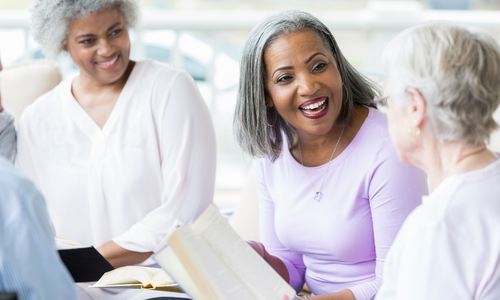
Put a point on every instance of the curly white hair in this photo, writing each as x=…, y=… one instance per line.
x=51, y=18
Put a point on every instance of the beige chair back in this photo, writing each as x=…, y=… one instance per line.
x=23, y=83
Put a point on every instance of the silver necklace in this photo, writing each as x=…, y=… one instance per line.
x=318, y=194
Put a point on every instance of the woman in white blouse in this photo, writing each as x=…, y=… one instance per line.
x=443, y=87
x=126, y=150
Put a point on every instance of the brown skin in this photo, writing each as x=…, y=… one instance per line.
x=99, y=38
x=96, y=38
x=300, y=68
x=305, y=79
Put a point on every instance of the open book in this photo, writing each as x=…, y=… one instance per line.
x=210, y=261
x=138, y=278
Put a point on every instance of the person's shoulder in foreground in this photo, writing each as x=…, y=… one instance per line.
x=454, y=236
x=7, y=134
x=29, y=264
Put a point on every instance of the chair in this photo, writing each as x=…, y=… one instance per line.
x=21, y=84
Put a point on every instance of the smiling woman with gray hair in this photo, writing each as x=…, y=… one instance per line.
x=443, y=87
x=332, y=193
x=126, y=150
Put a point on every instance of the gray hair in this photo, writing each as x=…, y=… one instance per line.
x=51, y=19
x=457, y=71
x=252, y=117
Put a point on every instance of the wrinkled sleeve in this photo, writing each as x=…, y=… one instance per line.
x=7, y=135
x=29, y=263
x=395, y=189
x=292, y=260
x=188, y=159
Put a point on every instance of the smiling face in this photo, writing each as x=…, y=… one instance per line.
x=303, y=82
x=99, y=45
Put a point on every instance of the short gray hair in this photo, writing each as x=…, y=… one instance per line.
x=51, y=19
x=252, y=117
x=457, y=71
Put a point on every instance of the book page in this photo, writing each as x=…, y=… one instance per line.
x=62, y=244
x=249, y=266
x=205, y=267
x=167, y=259
x=128, y=275
x=162, y=278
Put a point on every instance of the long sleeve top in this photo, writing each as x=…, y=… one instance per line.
x=29, y=263
x=449, y=247
x=341, y=241
x=151, y=166
x=7, y=135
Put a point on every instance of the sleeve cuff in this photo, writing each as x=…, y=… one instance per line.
x=365, y=291
x=139, y=238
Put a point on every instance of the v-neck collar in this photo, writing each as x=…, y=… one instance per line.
x=82, y=118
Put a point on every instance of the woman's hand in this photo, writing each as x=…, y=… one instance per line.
x=119, y=257
x=273, y=261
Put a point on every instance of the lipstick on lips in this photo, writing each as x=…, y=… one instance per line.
x=315, y=109
x=109, y=64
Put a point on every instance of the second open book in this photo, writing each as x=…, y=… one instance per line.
x=210, y=261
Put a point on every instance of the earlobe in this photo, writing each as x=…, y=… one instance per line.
x=269, y=101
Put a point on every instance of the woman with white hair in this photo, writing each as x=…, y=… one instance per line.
x=126, y=150
x=443, y=87
x=332, y=193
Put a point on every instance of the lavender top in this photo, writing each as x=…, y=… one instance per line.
x=342, y=241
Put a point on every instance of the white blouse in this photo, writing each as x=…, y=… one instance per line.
x=150, y=167
x=449, y=247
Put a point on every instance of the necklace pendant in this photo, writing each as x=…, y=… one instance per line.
x=317, y=197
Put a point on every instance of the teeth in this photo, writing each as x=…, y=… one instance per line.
x=314, y=105
x=307, y=111
x=109, y=63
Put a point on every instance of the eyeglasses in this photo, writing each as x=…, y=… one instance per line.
x=381, y=101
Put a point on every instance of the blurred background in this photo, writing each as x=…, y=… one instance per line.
x=205, y=37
